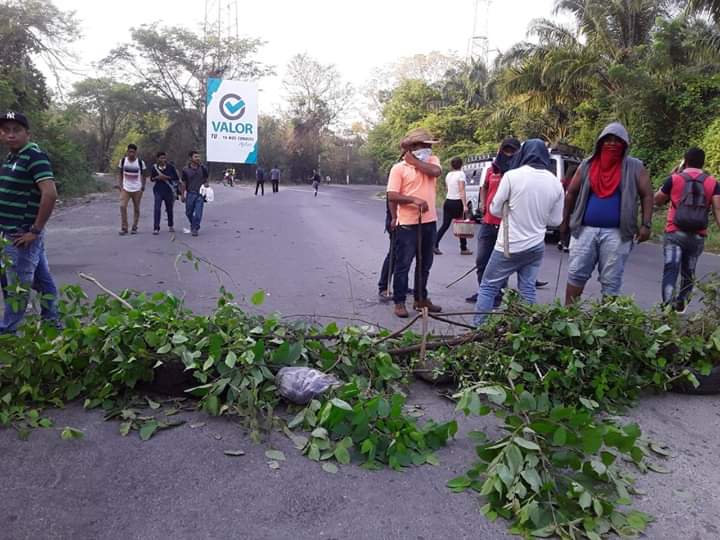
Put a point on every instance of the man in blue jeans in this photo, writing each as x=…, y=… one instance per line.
x=164, y=178
x=27, y=199
x=601, y=213
x=684, y=233
x=194, y=176
x=535, y=201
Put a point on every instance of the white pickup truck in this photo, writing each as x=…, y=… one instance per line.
x=564, y=160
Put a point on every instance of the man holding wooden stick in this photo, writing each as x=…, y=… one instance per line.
x=411, y=186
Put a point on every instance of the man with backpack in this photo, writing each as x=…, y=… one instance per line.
x=260, y=184
x=131, y=183
x=165, y=179
x=692, y=194
x=194, y=177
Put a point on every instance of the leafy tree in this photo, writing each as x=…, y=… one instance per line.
x=175, y=63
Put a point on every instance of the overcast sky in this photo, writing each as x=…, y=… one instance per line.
x=356, y=36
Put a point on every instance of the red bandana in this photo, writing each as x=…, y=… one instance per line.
x=606, y=170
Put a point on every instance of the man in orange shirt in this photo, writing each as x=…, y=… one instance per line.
x=411, y=186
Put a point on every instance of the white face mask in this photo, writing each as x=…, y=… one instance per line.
x=423, y=154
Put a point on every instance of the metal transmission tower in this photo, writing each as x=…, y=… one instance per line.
x=221, y=22
x=479, y=43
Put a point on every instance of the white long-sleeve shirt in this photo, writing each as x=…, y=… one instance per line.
x=536, y=201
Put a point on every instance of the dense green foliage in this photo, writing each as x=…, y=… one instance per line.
x=644, y=63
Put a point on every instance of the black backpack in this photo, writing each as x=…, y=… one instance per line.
x=140, y=164
x=691, y=213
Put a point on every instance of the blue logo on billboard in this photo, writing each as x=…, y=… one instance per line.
x=232, y=107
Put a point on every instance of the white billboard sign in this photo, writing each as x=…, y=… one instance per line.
x=232, y=121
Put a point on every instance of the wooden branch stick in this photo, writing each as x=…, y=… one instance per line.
x=423, y=341
x=90, y=278
x=399, y=332
x=448, y=321
x=434, y=345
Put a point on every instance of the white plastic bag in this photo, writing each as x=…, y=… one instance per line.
x=302, y=384
x=207, y=193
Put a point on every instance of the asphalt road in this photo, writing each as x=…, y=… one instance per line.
x=315, y=257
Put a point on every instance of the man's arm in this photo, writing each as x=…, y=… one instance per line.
x=431, y=169
x=644, y=187
x=393, y=214
x=502, y=195
x=48, y=196
x=395, y=197
x=143, y=174
x=570, y=198
x=556, y=214
x=661, y=198
x=120, y=175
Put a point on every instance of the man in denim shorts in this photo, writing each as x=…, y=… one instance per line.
x=601, y=213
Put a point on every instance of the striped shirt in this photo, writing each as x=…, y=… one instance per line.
x=20, y=174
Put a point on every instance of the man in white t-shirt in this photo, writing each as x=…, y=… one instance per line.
x=131, y=183
x=535, y=199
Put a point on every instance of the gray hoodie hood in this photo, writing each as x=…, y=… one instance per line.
x=617, y=129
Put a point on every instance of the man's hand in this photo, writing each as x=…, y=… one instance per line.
x=410, y=158
x=564, y=232
x=421, y=204
x=182, y=198
x=25, y=240
x=643, y=235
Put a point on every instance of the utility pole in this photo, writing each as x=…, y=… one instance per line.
x=479, y=43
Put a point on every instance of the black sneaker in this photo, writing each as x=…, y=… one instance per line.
x=156, y=232
x=540, y=284
x=122, y=232
x=194, y=233
x=472, y=299
x=680, y=307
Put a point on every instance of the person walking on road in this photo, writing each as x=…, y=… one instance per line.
x=27, y=200
x=601, y=213
x=164, y=178
x=535, y=201
x=194, y=176
x=488, y=231
x=455, y=205
x=260, y=181
x=692, y=194
x=389, y=262
x=131, y=183
x=275, y=179
x=316, y=179
x=411, y=185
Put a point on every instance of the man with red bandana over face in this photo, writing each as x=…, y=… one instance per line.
x=601, y=213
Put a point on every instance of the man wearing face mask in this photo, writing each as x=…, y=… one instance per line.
x=601, y=213
x=411, y=185
x=488, y=232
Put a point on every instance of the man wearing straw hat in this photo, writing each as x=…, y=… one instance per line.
x=411, y=185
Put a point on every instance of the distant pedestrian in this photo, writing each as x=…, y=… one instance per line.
x=165, y=179
x=411, y=185
x=316, y=179
x=455, y=205
x=692, y=194
x=535, y=201
x=131, y=183
x=27, y=199
x=194, y=176
x=275, y=179
x=601, y=213
x=260, y=184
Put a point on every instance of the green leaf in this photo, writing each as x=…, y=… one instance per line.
x=234, y=453
x=342, y=455
x=585, y=500
x=637, y=520
x=658, y=468
x=329, y=468
x=524, y=443
x=496, y=394
x=560, y=436
x=152, y=404
x=526, y=401
x=164, y=349
x=148, y=429
x=257, y=298
x=69, y=433
x=599, y=467
x=459, y=483
x=340, y=404
x=276, y=455
x=514, y=459
x=592, y=440
x=231, y=360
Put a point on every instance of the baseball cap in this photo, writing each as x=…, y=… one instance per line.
x=12, y=116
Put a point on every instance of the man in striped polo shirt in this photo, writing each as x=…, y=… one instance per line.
x=27, y=198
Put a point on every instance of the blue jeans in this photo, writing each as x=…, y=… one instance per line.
x=499, y=269
x=194, y=204
x=487, y=237
x=406, y=244
x=29, y=269
x=601, y=247
x=681, y=250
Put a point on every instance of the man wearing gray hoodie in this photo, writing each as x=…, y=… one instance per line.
x=601, y=213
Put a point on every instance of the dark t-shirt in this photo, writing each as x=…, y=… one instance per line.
x=20, y=175
x=317, y=178
x=260, y=175
x=194, y=178
x=163, y=186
